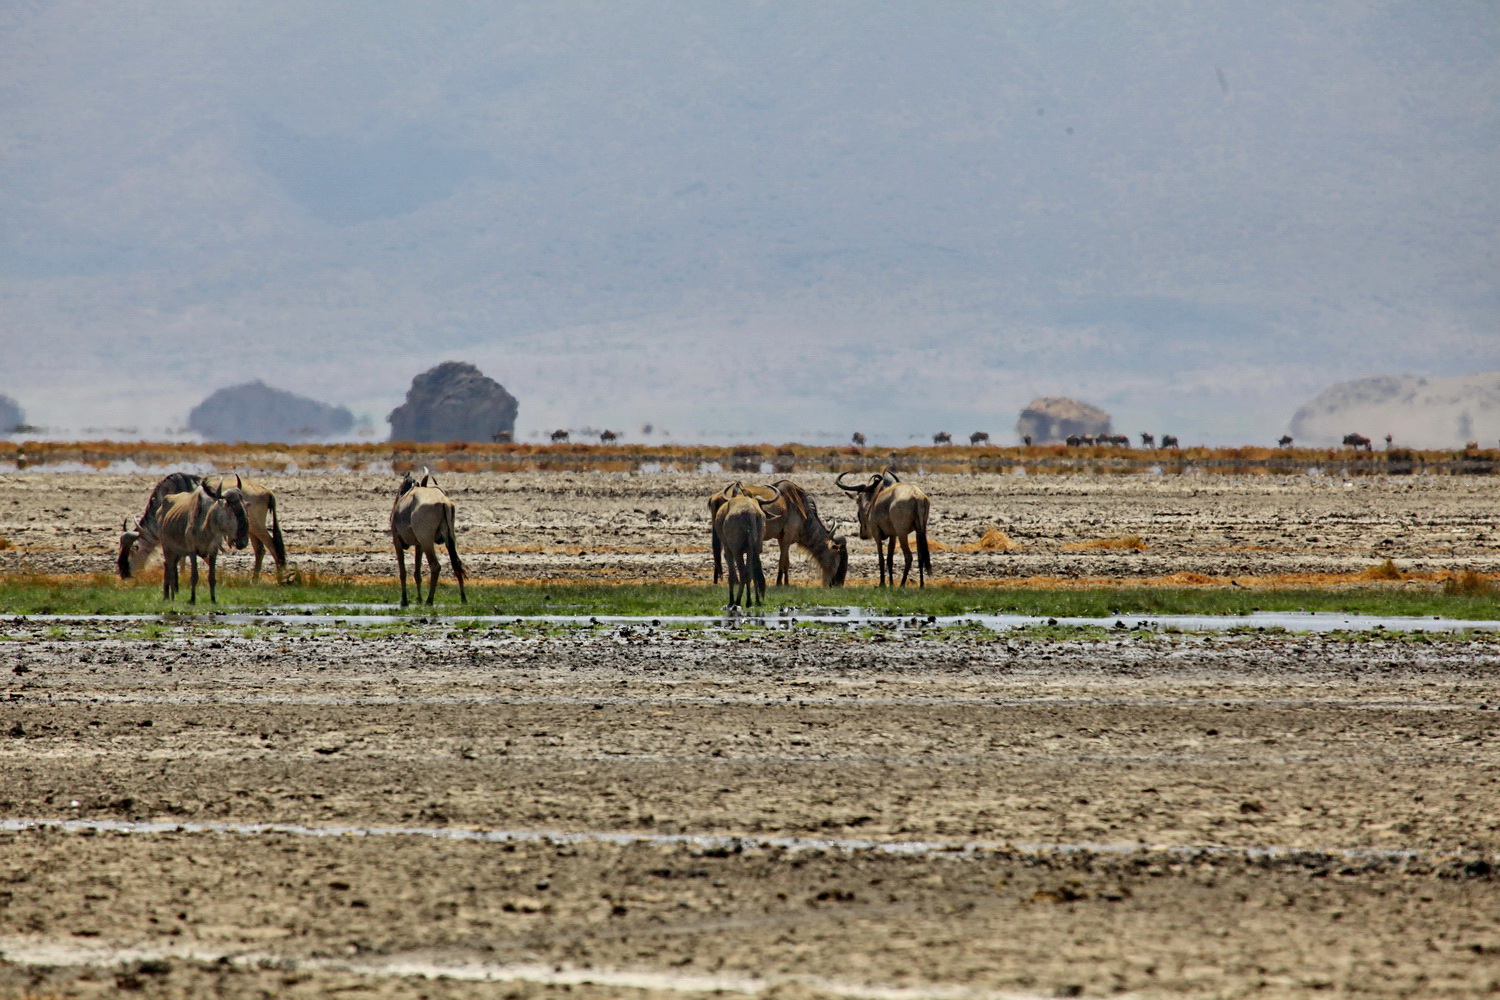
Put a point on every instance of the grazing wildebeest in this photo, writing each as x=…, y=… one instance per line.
x=559, y=435
x=1285, y=441
x=792, y=519
x=858, y=439
x=1169, y=440
x=740, y=528
x=197, y=524
x=979, y=436
x=608, y=437
x=1148, y=440
x=1357, y=441
x=889, y=510
x=942, y=437
x=137, y=544
x=423, y=518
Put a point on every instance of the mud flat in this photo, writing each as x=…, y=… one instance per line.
x=650, y=812
x=631, y=526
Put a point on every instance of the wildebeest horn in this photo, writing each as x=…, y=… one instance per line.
x=427, y=479
x=839, y=482
x=773, y=489
x=237, y=483
x=734, y=489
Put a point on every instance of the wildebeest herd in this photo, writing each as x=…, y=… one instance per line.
x=193, y=517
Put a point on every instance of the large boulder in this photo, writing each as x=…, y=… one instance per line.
x=256, y=412
x=11, y=417
x=1053, y=419
x=1416, y=412
x=455, y=402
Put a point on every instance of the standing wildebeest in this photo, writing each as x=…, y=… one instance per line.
x=1169, y=440
x=891, y=510
x=422, y=518
x=137, y=544
x=608, y=437
x=559, y=435
x=1285, y=441
x=1148, y=440
x=196, y=524
x=1357, y=441
x=942, y=437
x=739, y=528
x=1026, y=440
x=792, y=519
x=979, y=436
x=858, y=439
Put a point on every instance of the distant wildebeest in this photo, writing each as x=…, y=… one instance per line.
x=608, y=437
x=559, y=435
x=1285, y=441
x=1026, y=440
x=423, y=518
x=1118, y=440
x=1148, y=440
x=1471, y=446
x=792, y=519
x=1073, y=441
x=1387, y=442
x=739, y=530
x=197, y=524
x=979, y=437
x=1169, y=440
x=889, y=510
x=858, y=439
x=1357, y=441
x=942, y=437
x=502, y=437
x=138, y=542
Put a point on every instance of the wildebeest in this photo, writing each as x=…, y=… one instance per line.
x=889, y=510
x=138, y=542
x=739, y=529
x=1073, y=441
x=1169, y=440
x=1148, y=440
x=858, y=439
x=1357, y=441
x=423, y=518
x=979, y=436
x=559, y=435
x=502, y=436
x=1285, y=441
x=608, y=437
x=1026, y=440
x=942, y=437
x=197, y=524
x=792, y=519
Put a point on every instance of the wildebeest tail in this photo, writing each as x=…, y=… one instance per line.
x=450, y=534
x=718, y=554
x=924, y=555
x=123, y=562
x=278, y=547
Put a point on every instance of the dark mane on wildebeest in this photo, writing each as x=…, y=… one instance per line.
x=137, y=543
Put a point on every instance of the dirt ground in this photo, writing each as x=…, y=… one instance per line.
x=593, y=525
x=1169, y=815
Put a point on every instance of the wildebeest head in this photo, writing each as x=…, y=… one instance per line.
x=128, y=538
x=864, y=495
x=408, y=483
x=840, y=547
x=235, y=500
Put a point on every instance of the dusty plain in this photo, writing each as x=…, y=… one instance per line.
x=1157, y=814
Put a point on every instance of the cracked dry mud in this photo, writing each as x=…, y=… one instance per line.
x=1340, y=801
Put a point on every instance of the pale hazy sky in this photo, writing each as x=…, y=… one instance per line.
x=777, y=221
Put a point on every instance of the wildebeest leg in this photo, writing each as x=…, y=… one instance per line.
x=416, y=569
x=905, y=551
x=213, y=562
x=259, y=548
x=168, y=576
x=887, y=551
x=193, y=578
x=732, y=572
x=401, y=565
x=758, y=577
x=432, y=566
x=784, y=564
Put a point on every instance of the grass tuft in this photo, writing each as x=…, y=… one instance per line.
x=1126, y=542
x=1385, y=571
x=997, y=541
x=1468, y=584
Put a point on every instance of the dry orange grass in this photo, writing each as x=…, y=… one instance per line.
x=1385, y=571
x=1126, y=542
x=995, y=540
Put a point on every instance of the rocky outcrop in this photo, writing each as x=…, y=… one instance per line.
x=1053, y=419
x=1416, y=412
x=257, y=412
x=11, y=417
x=454, y=402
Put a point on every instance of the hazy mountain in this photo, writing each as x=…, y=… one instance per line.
x=1416, y=412
x=257, y=412
x=748, y=220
